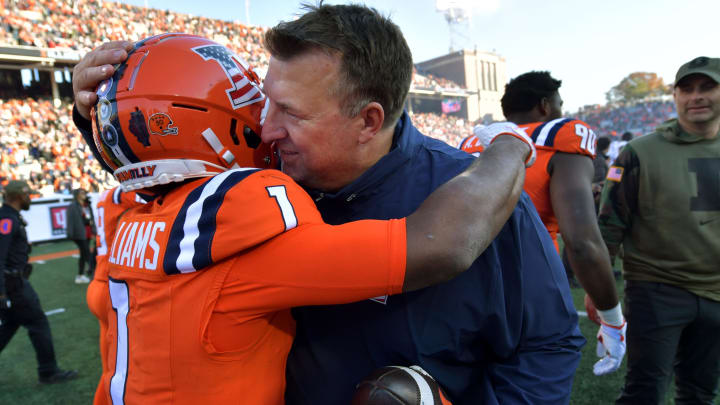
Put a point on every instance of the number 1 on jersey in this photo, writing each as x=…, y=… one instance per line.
x=279, y=193
x=119, y=297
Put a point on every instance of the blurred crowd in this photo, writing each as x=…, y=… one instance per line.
x=39, y=144
x=427, y=81
x=638, y=118
x=84, y=24
x=447, y=128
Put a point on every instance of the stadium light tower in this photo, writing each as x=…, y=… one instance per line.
x=457, y=14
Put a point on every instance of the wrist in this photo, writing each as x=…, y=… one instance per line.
x=513, y=136
x=527, y=148
x=612, y=316
x=81, y=121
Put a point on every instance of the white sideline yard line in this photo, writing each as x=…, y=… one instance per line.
x=39, y=261
x=582, y=313
x=55, y=311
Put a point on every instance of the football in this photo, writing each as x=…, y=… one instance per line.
x=395, y=385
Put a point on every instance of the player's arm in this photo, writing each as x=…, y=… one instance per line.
x=574, y=207
x=573, y=203
x=459, y=220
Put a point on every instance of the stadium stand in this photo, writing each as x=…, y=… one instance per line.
x=449, y=129
x=427, y=81
x=40, y=144
x=639, y=118
x=82, y=25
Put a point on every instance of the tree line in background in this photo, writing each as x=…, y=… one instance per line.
x=637, y=86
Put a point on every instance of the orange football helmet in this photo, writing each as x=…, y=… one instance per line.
x=181, y=106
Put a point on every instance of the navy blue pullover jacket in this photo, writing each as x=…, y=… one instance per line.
x=503, y=332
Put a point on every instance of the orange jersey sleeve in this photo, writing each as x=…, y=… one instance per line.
x=563, y=135
x=320, y=264
x=261, y=207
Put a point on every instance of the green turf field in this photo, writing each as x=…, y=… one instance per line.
x=75, y=333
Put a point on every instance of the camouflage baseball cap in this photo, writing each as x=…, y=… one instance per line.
x=17, y=187
x=703, y=65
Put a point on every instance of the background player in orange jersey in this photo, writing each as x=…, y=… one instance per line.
x=110, y=208
x=560, y=186
x=203, y=276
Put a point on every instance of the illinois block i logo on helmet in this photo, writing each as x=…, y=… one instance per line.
x=244, y=88
x=182, y=105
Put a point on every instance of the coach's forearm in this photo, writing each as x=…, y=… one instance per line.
x=457, y=222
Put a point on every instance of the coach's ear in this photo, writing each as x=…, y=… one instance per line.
x=370, y=121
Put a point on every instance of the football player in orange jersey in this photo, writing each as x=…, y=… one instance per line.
x=560, y=186
x=202, y=277
x=110, y=208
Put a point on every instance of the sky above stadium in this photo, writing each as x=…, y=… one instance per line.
x=589, y=44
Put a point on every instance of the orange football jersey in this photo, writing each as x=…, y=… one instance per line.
x=560, y=135
x=112, y=204
x=202, y=280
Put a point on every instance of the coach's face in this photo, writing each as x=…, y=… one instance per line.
x=697, y=98
x=316, y=142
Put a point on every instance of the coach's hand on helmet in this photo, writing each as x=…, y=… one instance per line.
x=95, y=67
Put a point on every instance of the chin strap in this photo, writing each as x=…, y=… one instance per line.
x=222, y=152
x=155, y=172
